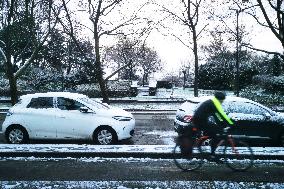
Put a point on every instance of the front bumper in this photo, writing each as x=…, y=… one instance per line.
x=126, y=130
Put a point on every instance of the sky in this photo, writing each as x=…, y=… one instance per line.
x=171, y=51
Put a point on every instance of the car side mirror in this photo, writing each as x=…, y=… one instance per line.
x=84, y=109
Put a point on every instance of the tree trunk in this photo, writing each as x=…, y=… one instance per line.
x=101, y=80
x=195, y=62
x=12, y=80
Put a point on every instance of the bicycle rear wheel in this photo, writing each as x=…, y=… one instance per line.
x=238, y=156
x=188, y=162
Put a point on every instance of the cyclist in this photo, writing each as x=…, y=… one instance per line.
x=208, y=108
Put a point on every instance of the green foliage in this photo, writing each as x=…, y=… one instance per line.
x=272, y=84
x=277, y=65
x=21, y=38
x=258, y=94
x=219, y=71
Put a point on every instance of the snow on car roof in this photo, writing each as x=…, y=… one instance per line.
x=55, y=94
x=228, y=98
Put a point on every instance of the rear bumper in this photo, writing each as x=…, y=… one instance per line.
x=178, y=123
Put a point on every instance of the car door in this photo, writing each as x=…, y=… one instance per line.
x=251, y=121
x=39, y=118
x=70, y=122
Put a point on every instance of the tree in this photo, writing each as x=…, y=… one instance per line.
x=189, y=17
x=133, y=56
x=21, y=51
x=273, y=19
x=104, y=18
x=218, y=72
x=123, y=53
x=149, y=62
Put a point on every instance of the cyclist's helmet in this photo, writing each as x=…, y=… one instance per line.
x=220, y=95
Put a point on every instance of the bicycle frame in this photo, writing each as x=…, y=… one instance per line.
x=228, y=137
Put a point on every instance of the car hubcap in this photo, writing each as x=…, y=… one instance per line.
x=104, y=137
x=16, y=136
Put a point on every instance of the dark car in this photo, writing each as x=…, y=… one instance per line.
x=254, y=122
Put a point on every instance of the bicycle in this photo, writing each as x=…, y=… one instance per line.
x=189, y=152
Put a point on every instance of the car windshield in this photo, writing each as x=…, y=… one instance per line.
x=97, y=104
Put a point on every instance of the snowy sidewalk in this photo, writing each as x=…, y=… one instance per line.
x=112, y=151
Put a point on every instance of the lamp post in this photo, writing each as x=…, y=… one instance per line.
x=237, y=78
x=237, y=57
x=184, y=73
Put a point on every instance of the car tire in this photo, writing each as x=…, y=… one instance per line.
x=104, y=136
x=17, y=135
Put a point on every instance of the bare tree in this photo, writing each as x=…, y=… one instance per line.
x=273, y=14
x=189, y=17
x=101, y=14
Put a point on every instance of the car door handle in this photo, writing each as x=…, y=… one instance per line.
x=61, y=116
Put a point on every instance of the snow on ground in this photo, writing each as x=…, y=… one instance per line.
x=136, y=184
x=143, y=149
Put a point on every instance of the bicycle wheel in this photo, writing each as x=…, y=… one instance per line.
x=188, y=162
x=238, y=155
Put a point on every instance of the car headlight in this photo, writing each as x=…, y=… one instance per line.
x=122, y=118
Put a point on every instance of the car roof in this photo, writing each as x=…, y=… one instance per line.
x=54, y=94
x=197, y=100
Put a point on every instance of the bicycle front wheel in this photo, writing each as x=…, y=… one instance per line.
x=238, y=155
x=188, y=162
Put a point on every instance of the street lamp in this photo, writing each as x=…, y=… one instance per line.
x=237, y=77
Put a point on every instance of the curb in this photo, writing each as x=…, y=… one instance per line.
x=114, y=151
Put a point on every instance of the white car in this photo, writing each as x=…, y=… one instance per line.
x=253, y=122
x=64, y=115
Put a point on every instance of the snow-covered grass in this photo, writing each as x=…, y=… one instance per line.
x=137, y=184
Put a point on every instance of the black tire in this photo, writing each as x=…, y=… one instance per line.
x=17, y=135
x=240, y=157
x=188, y=162
x=105, y=136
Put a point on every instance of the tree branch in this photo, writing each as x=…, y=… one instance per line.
x=261, y=50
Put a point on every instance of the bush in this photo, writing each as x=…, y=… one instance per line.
x=273, y=84
x=258, y=94
x=116, y=88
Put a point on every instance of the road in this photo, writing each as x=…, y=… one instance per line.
x=132, y=172
x=100, y=169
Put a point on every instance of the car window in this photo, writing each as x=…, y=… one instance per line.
x=245, y=108
x=41, y=102
x=95, y=103
x=68, y=104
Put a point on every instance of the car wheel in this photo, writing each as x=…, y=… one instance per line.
x=17, y=135
x=105, y=135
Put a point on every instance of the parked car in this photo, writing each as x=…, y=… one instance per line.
x=254, y=122
x=64, y=115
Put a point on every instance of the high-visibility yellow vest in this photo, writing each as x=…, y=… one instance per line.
x=221, y=114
